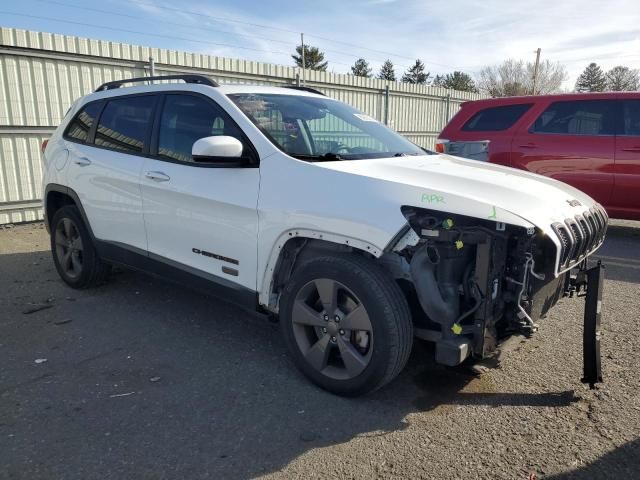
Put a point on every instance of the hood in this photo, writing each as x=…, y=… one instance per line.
x=477, y=189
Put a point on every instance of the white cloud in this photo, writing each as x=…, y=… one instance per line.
x=447, y=35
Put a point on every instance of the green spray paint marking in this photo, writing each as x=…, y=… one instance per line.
x=493, y=215
x=433, y=198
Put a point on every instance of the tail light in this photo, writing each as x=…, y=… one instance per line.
x=43, y=147
x=441, y=145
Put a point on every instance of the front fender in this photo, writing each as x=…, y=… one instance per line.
x=266, y=287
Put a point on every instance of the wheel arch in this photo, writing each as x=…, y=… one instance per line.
x=57, y=196
x=292, y=247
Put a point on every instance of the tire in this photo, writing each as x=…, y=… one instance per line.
x=73, y=250
x=339, y=354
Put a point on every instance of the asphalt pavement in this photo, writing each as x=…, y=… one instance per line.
x=144, y=379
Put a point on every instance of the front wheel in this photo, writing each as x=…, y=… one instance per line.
x=346, y=323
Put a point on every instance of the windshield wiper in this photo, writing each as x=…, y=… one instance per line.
x=327, y=157
x=406, y=154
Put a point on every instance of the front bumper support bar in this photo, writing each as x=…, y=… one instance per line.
x=592, y=368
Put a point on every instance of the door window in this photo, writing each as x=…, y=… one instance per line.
x=631, y=117
x=582, y=117
x=124, y=123
x=186, y=119
x=81, y=124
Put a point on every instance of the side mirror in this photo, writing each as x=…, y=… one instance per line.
x=219, y=149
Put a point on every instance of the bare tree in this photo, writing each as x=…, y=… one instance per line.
x=621, y=79
x=514, y=77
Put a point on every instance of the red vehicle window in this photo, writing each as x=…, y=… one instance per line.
x=631, y=118
x=582, y=117
x=496, y=118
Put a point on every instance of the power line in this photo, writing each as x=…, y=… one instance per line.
x=227, y=19
x=136, y=17
x=207, y=29
x=200, y=14
x=380, y=51
x=171, y=37
x=137, y=32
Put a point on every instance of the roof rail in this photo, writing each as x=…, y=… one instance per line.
x=304, y=89
x=199, y=79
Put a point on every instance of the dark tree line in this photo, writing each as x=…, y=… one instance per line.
x=618, y=79
x=510, y=78
x=416, y=74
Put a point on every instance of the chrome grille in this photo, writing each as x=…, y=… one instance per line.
x=581, y=235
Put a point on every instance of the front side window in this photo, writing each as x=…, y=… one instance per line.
x=495, y=119
x=631, y=117
x=124, y=123
x=581, y=117
x=317, y=129
x=81, y=124
x=186, y=119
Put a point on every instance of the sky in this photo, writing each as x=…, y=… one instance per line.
x=446, y=35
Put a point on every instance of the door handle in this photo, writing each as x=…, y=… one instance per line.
x=158, y=176
x=82, y=162
x=631, y=149
x=528, y=145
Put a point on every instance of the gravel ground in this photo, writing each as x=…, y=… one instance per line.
x=144, y=379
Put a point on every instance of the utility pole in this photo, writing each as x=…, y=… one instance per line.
x=535, y=71
x=302, y=43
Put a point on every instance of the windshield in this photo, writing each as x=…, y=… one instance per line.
x=318, y=129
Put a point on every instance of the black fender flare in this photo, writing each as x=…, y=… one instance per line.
x=69, y=192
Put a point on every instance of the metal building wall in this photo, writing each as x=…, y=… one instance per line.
x=41, y=74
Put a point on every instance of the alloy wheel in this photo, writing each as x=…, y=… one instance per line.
x=332, y=329
x=69, y=248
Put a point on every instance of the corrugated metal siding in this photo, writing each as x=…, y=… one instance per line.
x=41, y=74
x=20, y=174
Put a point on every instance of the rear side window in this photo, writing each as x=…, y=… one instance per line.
x=186, y=119
x=124, y=123
x=631, y=117
x=496, y=118
x=81, y=124
x=582, y=117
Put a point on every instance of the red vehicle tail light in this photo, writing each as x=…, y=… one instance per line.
x=440, y=145
x=43, y=147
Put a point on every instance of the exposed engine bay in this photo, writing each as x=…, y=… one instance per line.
x=471, y=282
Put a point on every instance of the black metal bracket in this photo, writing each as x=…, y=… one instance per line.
x=592, y=368
x=198, y=79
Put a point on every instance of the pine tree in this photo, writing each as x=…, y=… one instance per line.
x=361, y=68
x=623, y=79
x=416, y=74
x=591, y=80
x=387, y=72
x=313, y=58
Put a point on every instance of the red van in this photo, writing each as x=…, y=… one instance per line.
x=588, y=140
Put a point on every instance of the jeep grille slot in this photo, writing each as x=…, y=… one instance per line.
x=581, y=235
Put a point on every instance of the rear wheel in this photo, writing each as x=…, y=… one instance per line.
x=74, y=254
x=346, y=324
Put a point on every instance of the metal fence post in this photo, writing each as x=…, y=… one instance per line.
x=386, y=105
x=152, y=68
x=447, y=111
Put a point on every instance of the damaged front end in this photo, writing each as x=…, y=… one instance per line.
x=471, y=282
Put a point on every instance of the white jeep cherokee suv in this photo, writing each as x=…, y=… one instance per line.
x=303, y=207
